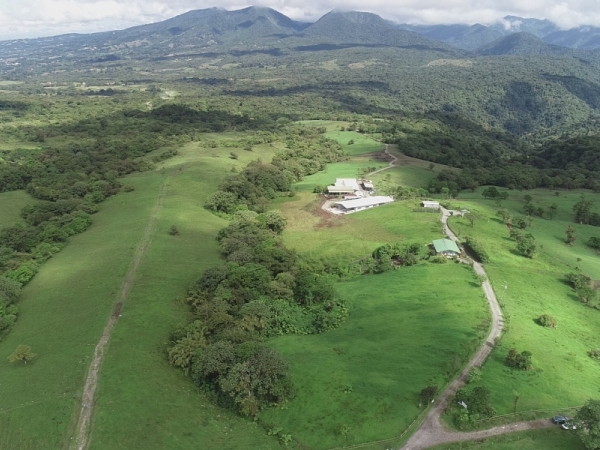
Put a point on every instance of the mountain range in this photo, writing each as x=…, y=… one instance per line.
x=473, y=37
x=261, y=29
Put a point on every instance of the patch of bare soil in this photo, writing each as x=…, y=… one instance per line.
x=326, y=220
x=80, y=440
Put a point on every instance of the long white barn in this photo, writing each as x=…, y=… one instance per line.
x=360, y=204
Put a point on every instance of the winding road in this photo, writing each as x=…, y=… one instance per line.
x=432, y=432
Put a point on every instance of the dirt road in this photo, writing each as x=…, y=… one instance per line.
x=390, y=165
x=80, y=437
x=432, y=432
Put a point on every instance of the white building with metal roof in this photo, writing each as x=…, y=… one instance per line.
x=350, y=206
x=344, y=186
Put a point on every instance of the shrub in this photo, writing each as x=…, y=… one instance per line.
x=475, y=374
x=174, y=231
x=428, y=393
x=594, y=354
x=521, y=361
x=439, y=259
x=546, y=320
x=477, y=249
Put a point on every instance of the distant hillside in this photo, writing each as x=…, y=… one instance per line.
x=460, y=36
x=470, y=37
x=367, y=28
x=521, y=44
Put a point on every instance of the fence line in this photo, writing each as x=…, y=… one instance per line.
x=383, y=441
x=487, y=419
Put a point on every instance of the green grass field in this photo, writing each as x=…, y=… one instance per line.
x=345, y=169
x=401, y=334
x=563, y=374
x=548, y=439
x=319, y=234
x=142, y=402
x=11, y=204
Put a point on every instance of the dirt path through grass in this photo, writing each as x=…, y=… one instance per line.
x=390, y=165
x=431, y=432
x=82, y=431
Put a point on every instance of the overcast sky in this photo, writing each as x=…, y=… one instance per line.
x=34, y=18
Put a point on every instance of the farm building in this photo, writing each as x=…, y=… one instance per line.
x=349, y=206
x=446, y=247
x=367, y=185
x=428, y=204
x=344, y=186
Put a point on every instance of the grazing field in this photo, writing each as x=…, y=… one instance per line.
x=361, y=144
x=563, y=375
x=360, y=382
x=346, y=169
x=409, y=171
x=142, y=402
x=548, y=439
x=316, y=233
x=11, y=204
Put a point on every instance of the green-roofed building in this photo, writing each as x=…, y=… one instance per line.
x=446, y=247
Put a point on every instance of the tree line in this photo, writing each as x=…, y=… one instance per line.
x=262, y=290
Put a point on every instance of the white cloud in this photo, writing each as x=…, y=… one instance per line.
x=30, y=18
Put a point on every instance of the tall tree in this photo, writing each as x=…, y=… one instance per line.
x=583, y=210
x=552, y=209
x=571, y=235
x=22, y=353
x=588, y=419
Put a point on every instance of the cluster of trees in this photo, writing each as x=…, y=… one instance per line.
x=306, y=153
x=477, y=249
x=9, y=294
x=478, y=401
x=262, y=290
x=521, y=361
x=582, y=285
x=583, y=213
x=525, y=243
x=567, y=163
x=387, y=256
x=77, y=167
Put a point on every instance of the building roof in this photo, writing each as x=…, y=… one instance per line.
x=340, y=190
x=445, y=245
x=429, y=203
x=347, y=182
x=368, y=185
x=364, y=202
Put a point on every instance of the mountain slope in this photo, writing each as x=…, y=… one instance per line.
x=366, y=28
x=471, y=37
x=521, y=44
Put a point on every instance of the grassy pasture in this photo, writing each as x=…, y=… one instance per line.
x=362, y=144
x=319, y=234
x=11, y=204
x=345, y=169
x=548, y=439
x=159, y=407
x=142, y=401
x=563, y=374
x=401, y=334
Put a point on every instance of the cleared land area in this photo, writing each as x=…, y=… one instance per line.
x=142, y=402
x=563, y=375
x=360, y=383
x=11, y=204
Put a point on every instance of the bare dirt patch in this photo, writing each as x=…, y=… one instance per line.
x=326, y=220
